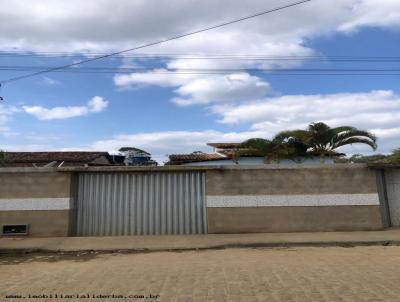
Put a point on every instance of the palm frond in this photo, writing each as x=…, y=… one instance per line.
x=357, y=140
x=356, y=132
x=318, y=127
x=341, y=129
x=289, y=134
x=338, y=139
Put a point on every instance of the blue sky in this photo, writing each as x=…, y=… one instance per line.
x=168, y=113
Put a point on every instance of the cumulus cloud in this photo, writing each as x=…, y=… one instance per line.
x=200, y=89
x=158, y=77
x=96, y=104
x=370, y=109
x=227, y=88
x=79, y=25
x=373, y=13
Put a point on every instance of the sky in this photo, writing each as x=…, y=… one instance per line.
x=169, y=99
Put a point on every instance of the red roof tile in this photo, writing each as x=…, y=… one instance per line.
x=223, y=145
x=69, y=158
x=178, y=159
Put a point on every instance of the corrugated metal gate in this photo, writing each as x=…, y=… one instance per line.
x=151, y=203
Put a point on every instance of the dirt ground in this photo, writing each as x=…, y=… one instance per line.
x=295, y=274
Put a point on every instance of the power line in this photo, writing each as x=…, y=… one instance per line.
x=348, y=58
x=156, y=42
x=183, y=70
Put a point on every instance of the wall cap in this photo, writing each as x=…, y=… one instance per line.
x=381, y=165
x=184, y=168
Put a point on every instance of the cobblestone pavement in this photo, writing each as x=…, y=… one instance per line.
x=295, y=274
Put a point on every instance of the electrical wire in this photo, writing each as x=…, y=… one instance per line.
x=155, y=43
x=348, y=58
x=195, y=70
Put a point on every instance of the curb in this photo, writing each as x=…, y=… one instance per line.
x=345, y=244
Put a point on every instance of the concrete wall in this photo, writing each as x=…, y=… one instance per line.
x=239, y=199
x=43, y=201
x=293, y=200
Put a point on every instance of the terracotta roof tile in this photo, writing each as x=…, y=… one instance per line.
x=178, y=159
x=224, y=145
x=69, y=158
x=242, y=152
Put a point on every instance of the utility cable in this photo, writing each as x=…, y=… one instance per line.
x=154, y=43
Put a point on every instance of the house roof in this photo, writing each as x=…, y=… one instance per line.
x=178, y=159
x=42, y=158
x=243, y=152
x=223, y=145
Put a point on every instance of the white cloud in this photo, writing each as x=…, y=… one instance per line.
x=200, y=89
x=371, y=109
x=79, y=25
x=226, y=88
x=96, y=104
x=159, y=77
x=373, y=13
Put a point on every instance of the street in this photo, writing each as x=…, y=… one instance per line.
x=278, y=274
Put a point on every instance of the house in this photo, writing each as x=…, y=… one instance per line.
x=223, y=154
x=55, y=159
x=229, y=154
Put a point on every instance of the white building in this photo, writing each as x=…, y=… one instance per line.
x=225, y=154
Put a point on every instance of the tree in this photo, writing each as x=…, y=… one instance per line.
x=137, y=157
x=276, y=149
x=395, y=157
x=132, y=150
x=323, y=140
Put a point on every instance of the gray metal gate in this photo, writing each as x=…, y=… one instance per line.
x=150, y=203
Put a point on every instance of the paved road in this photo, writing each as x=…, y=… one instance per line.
x=295, y=274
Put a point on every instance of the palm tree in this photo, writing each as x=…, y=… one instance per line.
x=322, y=140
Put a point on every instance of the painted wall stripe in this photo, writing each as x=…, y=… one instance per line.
x=29, y=204
x=226, y=201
